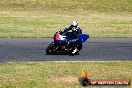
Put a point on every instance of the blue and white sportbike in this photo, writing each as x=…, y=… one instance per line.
x=66, y=43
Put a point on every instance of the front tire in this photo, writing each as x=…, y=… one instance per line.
x=50, y=49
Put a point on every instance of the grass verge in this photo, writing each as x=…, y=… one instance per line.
x=42, y=18
x=60, y=74
x=22, y=24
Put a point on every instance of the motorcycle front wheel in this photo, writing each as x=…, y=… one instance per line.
x=50, y=49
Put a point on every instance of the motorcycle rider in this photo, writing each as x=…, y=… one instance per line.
x=76, y=31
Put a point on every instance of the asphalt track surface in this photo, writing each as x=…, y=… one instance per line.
x=95, y=49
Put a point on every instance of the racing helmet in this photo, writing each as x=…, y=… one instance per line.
x=74, y=25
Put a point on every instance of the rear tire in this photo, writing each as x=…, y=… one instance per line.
x=73, y=51
x=50, y=49
x=77, y=47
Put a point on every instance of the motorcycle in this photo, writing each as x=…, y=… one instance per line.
x=66, y=42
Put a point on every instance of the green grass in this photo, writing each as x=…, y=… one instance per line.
x=94, y=5
x=42, y=18
x=60, y=74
